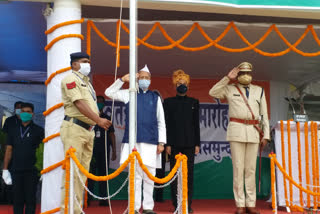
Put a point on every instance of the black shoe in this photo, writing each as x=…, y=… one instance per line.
x=148, y=212
x=190, y=210
x=175, y=208
x=104, y=203
x=159, y=200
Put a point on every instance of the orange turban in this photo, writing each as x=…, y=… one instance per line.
x=178, y=75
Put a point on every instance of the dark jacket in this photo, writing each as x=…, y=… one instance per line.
x=10, y=123
x=24, y=142
x=182, y=121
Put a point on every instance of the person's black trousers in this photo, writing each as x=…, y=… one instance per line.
x=24, y=191
x=189, y=152
x=160, y=173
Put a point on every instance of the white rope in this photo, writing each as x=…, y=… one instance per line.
x=310, y=185
x=78, y=204
x=179, y=193
x=117, y=57
x=112, y=108
x=126, y=211
x=169, y=182
x=107, y=168
x=304, y=207
x=178, y=207
x=98, y=197
x=304, y=203
x=166, y=184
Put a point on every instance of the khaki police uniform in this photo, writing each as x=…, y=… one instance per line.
x=243, y=138
x=75, y=87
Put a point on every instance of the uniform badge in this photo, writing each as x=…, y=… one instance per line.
x=71, y=85
x=98, y=134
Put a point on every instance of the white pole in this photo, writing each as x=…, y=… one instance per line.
x=107, y=168
x=71, y=192
x=58, y=57
x=132, y=70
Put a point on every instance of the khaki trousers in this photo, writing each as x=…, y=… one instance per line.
x=73, y=135
x=244, y=158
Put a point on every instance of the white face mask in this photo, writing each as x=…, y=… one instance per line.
x=17, y=111
x=245, y=79
x=85, y=68
x=144, y=84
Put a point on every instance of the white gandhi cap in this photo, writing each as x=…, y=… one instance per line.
x=145, y=68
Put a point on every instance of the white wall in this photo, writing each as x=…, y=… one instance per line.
x=278, y=105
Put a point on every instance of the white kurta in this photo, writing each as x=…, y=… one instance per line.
x=148, y=152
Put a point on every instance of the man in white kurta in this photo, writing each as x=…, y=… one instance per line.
x=150, y=151
x=242, y=134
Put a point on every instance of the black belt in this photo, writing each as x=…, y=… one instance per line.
x=79, y=122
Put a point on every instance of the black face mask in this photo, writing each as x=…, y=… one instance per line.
x=182, y=89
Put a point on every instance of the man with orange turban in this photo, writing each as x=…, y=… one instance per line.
x=183, y=131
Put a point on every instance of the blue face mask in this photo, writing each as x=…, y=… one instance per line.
x=18, y=111
x=144, y=84
x=25, y=117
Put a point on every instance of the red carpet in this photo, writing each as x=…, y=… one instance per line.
x=199, y=207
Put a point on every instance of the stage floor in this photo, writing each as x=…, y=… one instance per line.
x=199, y=207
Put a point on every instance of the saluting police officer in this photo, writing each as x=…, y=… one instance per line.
x=81, y=115
x=242, y=132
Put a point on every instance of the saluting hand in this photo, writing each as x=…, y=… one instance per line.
x=233, y=73
x=126, y=78
x=104, y=123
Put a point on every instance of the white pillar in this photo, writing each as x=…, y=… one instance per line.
x=58, y=57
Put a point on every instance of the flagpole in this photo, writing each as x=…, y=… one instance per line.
x=132, y=76
x=132, y=71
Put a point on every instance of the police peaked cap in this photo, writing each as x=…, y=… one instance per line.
x=78, y=55
x=245, y=67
